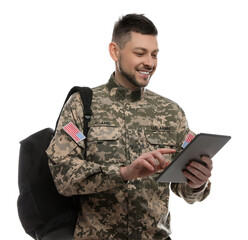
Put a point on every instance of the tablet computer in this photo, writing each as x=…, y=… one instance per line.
x=203, y=144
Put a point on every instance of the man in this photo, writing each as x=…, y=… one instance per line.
x=134, y=134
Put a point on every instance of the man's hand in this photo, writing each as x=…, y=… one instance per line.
x=198, y=173
x=146, y=164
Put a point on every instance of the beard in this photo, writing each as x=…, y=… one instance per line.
x=131, y=78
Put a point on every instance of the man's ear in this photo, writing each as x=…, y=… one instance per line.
x=114, y=51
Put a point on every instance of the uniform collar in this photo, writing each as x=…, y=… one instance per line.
x=117, y=92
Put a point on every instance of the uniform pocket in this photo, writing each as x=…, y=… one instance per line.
x=103, y=144
x=103, y=133
x=160, y=139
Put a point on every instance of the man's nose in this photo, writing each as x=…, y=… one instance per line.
x=149, y=61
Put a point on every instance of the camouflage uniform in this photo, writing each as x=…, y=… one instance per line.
x=124, y=125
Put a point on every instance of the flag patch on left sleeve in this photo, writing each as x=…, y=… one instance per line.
x=74, y=132
x=187, y=140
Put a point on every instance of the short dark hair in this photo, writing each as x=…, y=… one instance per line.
x=132, y=23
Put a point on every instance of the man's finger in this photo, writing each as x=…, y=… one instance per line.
x=148, y=164
x=160, y=158
x=151, y=159
x=158, y=154
x=208, y=161
x=166, y=150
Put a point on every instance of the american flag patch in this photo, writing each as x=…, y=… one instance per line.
x=74, y=132
x=187, y=140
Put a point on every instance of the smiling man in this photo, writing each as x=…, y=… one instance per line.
x=133, y=135
x=136, y=61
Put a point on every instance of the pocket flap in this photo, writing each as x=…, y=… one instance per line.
x=161, y=138
x=102, y=133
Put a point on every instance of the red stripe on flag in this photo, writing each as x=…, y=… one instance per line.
x=189, y=138
x=73, y=128
x=72, y=131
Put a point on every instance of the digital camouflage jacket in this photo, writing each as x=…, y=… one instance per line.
x=124, y=125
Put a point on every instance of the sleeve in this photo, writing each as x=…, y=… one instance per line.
x=183, y=189
x=72, y=174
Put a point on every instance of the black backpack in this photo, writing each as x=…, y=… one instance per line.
x=41, y=208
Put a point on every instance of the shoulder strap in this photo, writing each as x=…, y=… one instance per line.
x=86, y=96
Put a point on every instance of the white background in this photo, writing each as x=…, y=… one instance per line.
x=46, y=47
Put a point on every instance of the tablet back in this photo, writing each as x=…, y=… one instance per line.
x=202, y=145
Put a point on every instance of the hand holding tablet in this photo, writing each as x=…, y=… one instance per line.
x=202, y=145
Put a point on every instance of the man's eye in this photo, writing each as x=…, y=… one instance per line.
x=155, y=55
x=139, y=54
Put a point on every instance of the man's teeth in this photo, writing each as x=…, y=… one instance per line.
x=144, y=72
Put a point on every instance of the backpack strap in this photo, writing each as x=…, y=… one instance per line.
x=86, y=96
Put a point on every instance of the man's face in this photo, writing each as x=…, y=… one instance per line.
x=137, y=61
